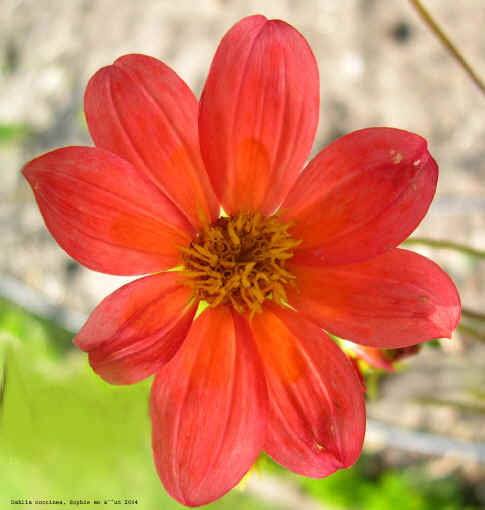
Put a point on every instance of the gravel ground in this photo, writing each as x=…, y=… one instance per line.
x=378, y=66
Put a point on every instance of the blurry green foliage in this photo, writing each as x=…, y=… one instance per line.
x=10, y=133
x=399, y=490
x=28, y=327
x=64, y=433
x=367, y=486
x=81, y=119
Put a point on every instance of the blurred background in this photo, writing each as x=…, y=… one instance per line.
x=64, y=433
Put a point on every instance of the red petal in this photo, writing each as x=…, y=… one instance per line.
x=133, y=332
x=404, y=352
x=104, y=213
x=208, y=409
x=394, y=300
x=362, y=195
x=316, y=420
x=373, y=356
x=258, y=114
x=141, y=110
x=358, y=371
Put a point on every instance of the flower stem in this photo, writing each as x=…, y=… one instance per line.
x=470, y=314
x=437, y=30
x=478, y=335
x=447, y=245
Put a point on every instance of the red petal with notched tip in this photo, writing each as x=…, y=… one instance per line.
x=104, y=213
x=361, y=196
x=208, y=409
x=316, y=420
x=394, y=300
x=141, y=110
x=133, y=332
x=258, y=114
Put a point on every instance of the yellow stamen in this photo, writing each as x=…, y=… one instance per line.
x=240, y=261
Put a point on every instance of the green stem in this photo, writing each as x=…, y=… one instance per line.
x=448, y=245
x=438, y=32
x=470, y=314
x=478, y=335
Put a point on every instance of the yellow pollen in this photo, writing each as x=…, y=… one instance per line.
x=240, y=261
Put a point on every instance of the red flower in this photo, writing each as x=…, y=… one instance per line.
x=250, y=373
x=383, y=358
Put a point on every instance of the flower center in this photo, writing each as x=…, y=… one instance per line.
x=240, y=260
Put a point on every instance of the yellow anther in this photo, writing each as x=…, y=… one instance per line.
x=211, y=257
x=257, y=292
x=239, y=222
x=240, y=261
x=232, y=234
x=245, y=274
x=218, y=300
x=261, y=276
x=257, y=218
x=227, y=263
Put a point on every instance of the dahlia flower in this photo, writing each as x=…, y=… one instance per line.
x=295, y=254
